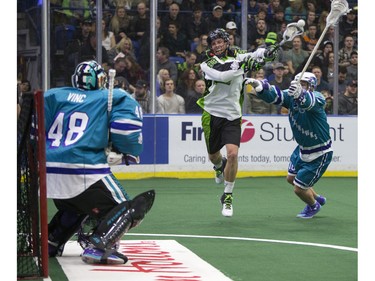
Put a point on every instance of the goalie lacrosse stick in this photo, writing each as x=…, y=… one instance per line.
x=338, y=9
x=111, y=83
x=116, y=157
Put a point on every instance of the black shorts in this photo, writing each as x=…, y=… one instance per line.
x=95, y=201
x=220, y=131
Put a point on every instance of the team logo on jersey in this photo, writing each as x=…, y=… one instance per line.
x=247, y=130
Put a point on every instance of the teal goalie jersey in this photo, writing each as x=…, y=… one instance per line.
x=78, y=130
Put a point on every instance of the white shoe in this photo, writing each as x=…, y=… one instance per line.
x=226, y=200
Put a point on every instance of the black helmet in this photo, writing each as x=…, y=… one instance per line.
x=89, y=75
x=217, y=33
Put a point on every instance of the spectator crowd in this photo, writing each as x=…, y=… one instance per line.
x=182, y=30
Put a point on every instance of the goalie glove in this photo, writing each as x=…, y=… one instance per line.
x=295, y=90
x=128, y=158
x=258, y=85
x=114, y=158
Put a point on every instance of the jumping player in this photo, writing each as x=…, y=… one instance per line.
x=224, y=70
x=78, y=130
x=310, y=128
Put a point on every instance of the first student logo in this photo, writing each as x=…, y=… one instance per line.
x=248, y=130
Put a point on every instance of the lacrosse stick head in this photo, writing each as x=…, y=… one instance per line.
x=292, y=30
x=338, y=9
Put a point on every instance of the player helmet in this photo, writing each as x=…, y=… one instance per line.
x=309, y=78
x=216, y=34
x=89, y=75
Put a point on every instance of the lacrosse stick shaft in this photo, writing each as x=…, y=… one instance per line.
x=111, y=82
x=338, y=8
x=313, y=52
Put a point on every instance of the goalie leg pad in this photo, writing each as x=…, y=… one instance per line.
x=120, y=219
x=141, y=204
x=113, y=226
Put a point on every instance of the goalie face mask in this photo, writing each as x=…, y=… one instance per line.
x=89, y=75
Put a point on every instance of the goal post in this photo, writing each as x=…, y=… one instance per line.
x=32, y=213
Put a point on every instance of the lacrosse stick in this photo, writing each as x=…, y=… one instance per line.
x=111, y=83
x=338, y=9
x=292, y=30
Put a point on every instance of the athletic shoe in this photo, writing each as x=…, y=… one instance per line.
x=309, y=212
x=322, y=200
x=219, y=172
x=226, y=200
x=95, y=256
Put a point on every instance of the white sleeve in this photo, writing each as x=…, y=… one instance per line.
x=222, y=76
x=257, y=54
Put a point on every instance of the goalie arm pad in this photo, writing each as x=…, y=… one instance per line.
x=125, y=124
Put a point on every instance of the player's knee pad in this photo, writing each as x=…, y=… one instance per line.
x=120, y=219
x=61, y=227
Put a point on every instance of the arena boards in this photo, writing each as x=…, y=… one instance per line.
x=149, y=260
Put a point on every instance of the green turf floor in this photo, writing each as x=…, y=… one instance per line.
x=264, y=208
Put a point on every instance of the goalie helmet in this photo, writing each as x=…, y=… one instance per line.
x=89, y=75
x=309, y=78
x=216, y=34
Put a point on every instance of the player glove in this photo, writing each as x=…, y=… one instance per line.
x=251, y=65
x=271, y=53
x=295, y=90
x=258, y=85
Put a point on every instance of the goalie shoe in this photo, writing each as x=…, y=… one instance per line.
x=98, y=256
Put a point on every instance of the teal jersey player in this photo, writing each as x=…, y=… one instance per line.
x=77, y=134
x=80, y=128
x=310, y=128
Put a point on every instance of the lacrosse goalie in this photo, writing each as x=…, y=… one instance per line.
x=310, y=128
x=79, y=180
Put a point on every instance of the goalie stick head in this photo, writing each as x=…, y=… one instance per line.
x=89, y=75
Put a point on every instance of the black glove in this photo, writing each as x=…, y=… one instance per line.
x=271, y=53
x=251, y=65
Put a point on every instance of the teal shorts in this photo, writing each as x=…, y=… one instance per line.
x=308, y=173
